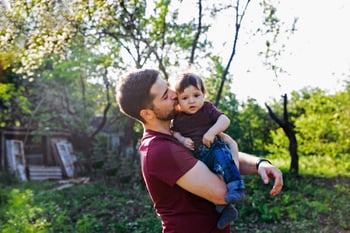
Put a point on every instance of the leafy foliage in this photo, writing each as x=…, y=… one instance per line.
x=20, y=214
x=63, y=95
x=32, y=31
x=321, y=121
x=255, y=128
x=14, y=106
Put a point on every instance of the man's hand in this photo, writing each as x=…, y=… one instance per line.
x=267, y=171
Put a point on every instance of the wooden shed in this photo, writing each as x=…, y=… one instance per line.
x=35, y=155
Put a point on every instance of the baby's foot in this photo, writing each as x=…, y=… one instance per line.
x=229, y=214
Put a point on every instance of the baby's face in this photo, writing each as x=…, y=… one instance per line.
x=191, y=99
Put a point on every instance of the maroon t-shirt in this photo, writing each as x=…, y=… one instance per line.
x=196, y=125
x=164, y=160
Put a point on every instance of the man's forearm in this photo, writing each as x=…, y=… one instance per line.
x=247, y=164
x=233, y=147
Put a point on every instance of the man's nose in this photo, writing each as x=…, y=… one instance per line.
x=173, y=94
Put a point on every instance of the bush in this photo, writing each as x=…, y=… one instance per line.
x=19, y=214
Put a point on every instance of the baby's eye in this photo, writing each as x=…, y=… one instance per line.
x=184, y=98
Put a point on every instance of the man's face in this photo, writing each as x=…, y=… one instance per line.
x=164, y=101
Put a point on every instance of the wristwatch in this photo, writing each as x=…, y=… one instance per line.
x=260, y=161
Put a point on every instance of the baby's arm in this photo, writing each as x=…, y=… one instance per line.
x=221, y=124
x=187, y=142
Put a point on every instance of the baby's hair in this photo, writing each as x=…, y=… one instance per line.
x=189, y=79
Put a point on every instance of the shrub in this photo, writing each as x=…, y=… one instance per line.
x=20, y=215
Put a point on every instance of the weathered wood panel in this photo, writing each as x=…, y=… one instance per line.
x=45, y=173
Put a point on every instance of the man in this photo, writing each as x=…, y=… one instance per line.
x=181, y=187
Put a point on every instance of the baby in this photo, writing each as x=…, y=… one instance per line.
x=197, y=126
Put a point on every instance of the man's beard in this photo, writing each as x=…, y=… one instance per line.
x=164, y=116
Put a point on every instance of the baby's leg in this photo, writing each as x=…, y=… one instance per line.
x=225, y=165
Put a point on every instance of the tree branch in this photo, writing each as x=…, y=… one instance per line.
x=238, y=22
x=199, y=30
x=274, y=116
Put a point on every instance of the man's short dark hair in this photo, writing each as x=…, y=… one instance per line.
x=134, y=92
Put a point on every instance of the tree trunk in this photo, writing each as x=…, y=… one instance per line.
x=293, y=147
x=288, y=129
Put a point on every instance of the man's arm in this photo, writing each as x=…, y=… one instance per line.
x=247, y=166
x=265, y=170
x=200, y=181
x=233, y=147
x=220, y=125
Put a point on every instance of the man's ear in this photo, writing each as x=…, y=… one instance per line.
x=146, y=114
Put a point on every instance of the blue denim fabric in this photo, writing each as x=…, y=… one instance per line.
x=219, y=160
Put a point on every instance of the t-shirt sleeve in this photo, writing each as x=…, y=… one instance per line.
x=212, y=111
x=169, y=161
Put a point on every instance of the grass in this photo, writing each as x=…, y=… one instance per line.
x=310, y=202
x=307, y=204
x=320, y=166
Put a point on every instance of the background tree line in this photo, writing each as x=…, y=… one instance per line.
x=60, y=62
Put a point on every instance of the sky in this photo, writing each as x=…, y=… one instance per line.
x=316, y=55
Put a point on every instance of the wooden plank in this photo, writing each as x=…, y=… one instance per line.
x=35, y=159
x=45, y=173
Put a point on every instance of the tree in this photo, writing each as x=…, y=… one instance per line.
x=288, y=128
x=44, y=37
x=34, y=30
x=70, y=95
x=30, y=32
x=151, y=39
x=273, y=28
x=321, y=124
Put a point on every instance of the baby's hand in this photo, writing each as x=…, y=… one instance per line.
x=188, y=143
x=208, y=138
